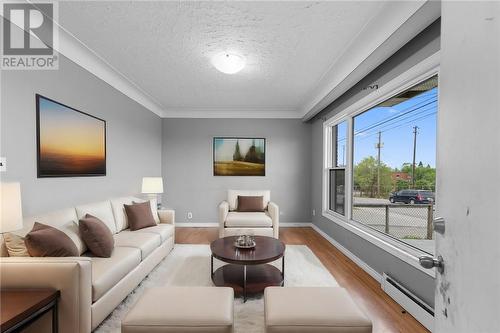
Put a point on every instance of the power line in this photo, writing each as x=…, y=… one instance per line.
x=404, y=112
x=420, y=117
x=404, y=116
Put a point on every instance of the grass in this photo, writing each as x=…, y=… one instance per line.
x=236, y=168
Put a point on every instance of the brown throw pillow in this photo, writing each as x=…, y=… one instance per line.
x=250, y=203
x=47, y=241
x=97, y=236
x=139, y=215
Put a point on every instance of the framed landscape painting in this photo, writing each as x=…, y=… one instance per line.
x=239, y=156
x=70, y=143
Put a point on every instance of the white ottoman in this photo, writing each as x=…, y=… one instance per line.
x=313, y=310
x=182, y=309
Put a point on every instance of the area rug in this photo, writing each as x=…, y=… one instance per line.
x=189, y=265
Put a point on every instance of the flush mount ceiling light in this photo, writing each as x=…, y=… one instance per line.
x=228, y=63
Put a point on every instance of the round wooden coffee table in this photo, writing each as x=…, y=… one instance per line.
x=248, y=271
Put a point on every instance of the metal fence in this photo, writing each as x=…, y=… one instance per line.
x=398, y=220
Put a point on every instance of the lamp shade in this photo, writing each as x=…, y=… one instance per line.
x=11, y=213
x=152, y=185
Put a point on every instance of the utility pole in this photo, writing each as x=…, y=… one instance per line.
x=415, y=132
x=379, y=146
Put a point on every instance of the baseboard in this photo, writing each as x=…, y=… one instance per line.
x=295, y=224
x=216, y=225
x=196, y=225
x=373, y=273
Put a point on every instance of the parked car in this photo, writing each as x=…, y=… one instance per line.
x=412, y=197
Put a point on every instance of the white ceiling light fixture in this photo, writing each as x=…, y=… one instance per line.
x=228, y=63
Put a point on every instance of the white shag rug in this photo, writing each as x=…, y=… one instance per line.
x=189, y=265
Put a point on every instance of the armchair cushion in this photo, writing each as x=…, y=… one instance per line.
x=248, y=219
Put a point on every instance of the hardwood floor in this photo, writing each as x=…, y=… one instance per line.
x=387, y=315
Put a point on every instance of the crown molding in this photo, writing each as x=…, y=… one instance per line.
x=232, y=112
x=75, y=50
x=395, y=25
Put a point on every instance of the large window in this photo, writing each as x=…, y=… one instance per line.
x=383, y=159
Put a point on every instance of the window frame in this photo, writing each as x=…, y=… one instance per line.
x=331, y=165
x=418, y=73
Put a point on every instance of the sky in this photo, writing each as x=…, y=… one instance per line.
x=396, y=124
x=65, y=131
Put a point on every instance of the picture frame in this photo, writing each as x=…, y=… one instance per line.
x=239, y=156
x=70, y=142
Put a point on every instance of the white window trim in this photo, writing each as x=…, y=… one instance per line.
x=420, y=72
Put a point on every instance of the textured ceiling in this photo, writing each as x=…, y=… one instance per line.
x=165, y=48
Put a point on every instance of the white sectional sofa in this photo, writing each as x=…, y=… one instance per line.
x=92, y=287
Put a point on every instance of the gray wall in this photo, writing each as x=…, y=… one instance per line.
x=421, y=47
x=133, y=137
x=188, y=174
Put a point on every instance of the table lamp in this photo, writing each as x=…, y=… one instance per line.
x=11, y=213
x=153, y=186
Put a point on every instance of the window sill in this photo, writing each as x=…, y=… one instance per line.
x=397, y=249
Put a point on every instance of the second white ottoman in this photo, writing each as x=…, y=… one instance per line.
x=182, y=309
x=313, y=310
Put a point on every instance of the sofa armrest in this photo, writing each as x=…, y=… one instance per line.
x=223, y=211
x=274, y=212
x=72, y=276
x=167, y=216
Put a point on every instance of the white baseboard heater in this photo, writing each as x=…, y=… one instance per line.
x=409, y=301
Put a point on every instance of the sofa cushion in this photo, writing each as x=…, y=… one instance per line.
x=96, y=236
x=46, y=241
x=250, y=219
x=164, y=230
x=146, y=242
x=232, y=197
x=102, y=210
x=65, y=220
x=139, y=215
x=107, y=272
x=121, y=220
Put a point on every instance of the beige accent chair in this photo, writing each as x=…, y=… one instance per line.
x=234, y=223
x=91, y=287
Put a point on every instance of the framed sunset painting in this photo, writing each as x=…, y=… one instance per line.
x=239, y=156
x=70, y=143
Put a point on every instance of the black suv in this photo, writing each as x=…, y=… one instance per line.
x=412, y=197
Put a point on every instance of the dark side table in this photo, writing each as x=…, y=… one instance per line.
x=20, y=307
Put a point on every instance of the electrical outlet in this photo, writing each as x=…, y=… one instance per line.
x=190, y=215
x=314, y=212
x=3, y=164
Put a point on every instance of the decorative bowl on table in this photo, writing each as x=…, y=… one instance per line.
x=245, y=242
